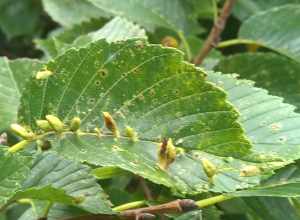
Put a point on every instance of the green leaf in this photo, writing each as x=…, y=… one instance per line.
x=57, y=38
x=276, y=29
x=260, y=208
x=57, y=211
x=14, y=169
x=46, y=193
x=69, y=13
x=71, y=177
x=13, y=76
x=272, y=208
x=107, y=172
x=200, y=8
x=152, y=90
x=285, y=183
x=141, y=158
x=212, y=213
x=266, y=70
x=271, y=125
x=246, y=8
x=151, y=13
x=117, y=29
x=167, y=93
x=12, y=12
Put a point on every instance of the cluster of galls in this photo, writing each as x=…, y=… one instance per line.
x=52, y=123
x=167, y=152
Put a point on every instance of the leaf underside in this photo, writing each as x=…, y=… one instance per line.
x=73, y=178
x=13, y=77
x=80, y=35
x=282, y=27
x=171, y=14
x=271, y=125
x=266, y=70
x=14, y=169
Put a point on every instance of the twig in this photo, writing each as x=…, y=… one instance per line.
x=176, y=206
x=131, y=205
x=213, y=200
x=214, y=35
x=148, y=194
x=146, y=189
x=18, y=146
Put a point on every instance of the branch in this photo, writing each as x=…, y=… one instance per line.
x=214, y=35
x=177, y=206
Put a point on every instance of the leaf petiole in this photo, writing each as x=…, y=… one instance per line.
x=131, y=205
x=213, y=200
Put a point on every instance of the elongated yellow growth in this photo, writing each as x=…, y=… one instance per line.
x=18, y=146
x=110, y=124
x=21, y=131
x=209, y=168
x=213, y=200
x=44, y=125
x=131, y=133
x=75, y=124
x=55, y=123
x=43, y=74
x=130, y=205
x=166, y=153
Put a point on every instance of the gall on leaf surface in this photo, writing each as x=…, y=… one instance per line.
x=150, y=89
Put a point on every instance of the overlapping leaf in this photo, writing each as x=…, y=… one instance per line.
x=261, y=208
x=271, y=125
x=74, y=178
x=276, y=73
x=116, y=30
x=276, y=28
x=152, y=90
x=246, y=8
x=151, y=13
x=69, y=13
x=12, y=12
x=57, y=211
x=272, y=208
x=200, y=8
x=47, y=193
x=14, y=170
x=57, y=38
x=13, y=76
